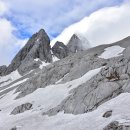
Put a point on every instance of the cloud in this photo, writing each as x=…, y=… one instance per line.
x=52, y=15
x=104, y=26
x=19, y=19
x=3, y=8
x=9, y=44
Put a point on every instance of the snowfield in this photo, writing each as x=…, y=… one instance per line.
x=42, y=99
x=90, y=121
x=111, y=52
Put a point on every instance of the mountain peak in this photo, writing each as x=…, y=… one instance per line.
x=78, y=42
x=41, y=33
x=38, y=46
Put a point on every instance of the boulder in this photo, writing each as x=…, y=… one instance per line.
x=22, y=108
x=107, y=114
x=115, y=125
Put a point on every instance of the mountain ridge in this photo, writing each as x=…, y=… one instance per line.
x=87, y=87
x=38, y=46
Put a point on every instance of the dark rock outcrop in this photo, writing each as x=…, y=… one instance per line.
x=38, y=46
x=116, y=126
x=2, y=70
x=22, y=108
x=107, y=114
x=60, y=50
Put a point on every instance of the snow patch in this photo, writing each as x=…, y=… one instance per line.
x=37, y=59
x=111, y=52
x=55, y=58
x=42, y=64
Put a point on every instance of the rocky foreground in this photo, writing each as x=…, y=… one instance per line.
x=66, y=87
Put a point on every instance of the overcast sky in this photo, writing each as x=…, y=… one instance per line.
x=102, y=21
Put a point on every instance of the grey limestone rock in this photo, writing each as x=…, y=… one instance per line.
x=22, y=108
x=38, y=46
x=115, y=125
x=60, y=50
x=2, y=70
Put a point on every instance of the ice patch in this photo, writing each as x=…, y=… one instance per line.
x=111, y=52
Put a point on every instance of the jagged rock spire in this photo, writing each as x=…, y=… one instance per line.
x=78, y=43
x=38, y=46
x=60, y=50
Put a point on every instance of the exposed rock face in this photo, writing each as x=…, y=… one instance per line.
x=60, y=50
x=41, y=50
x=109, y=83
x=37, y=47
x=22, y=108
x=116, y=126
x=2, y=70
x=77, y=43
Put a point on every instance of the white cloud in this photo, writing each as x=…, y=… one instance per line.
x=9, y=44
x=104, y=26
x=52, y=15
x=3, y=8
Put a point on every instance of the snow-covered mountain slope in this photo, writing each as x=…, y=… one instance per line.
x=83, y=91
x=5, y=80
x=33, y=118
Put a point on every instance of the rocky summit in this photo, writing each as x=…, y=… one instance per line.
x=38, y=48
x=78, y=43
x=66, y=87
